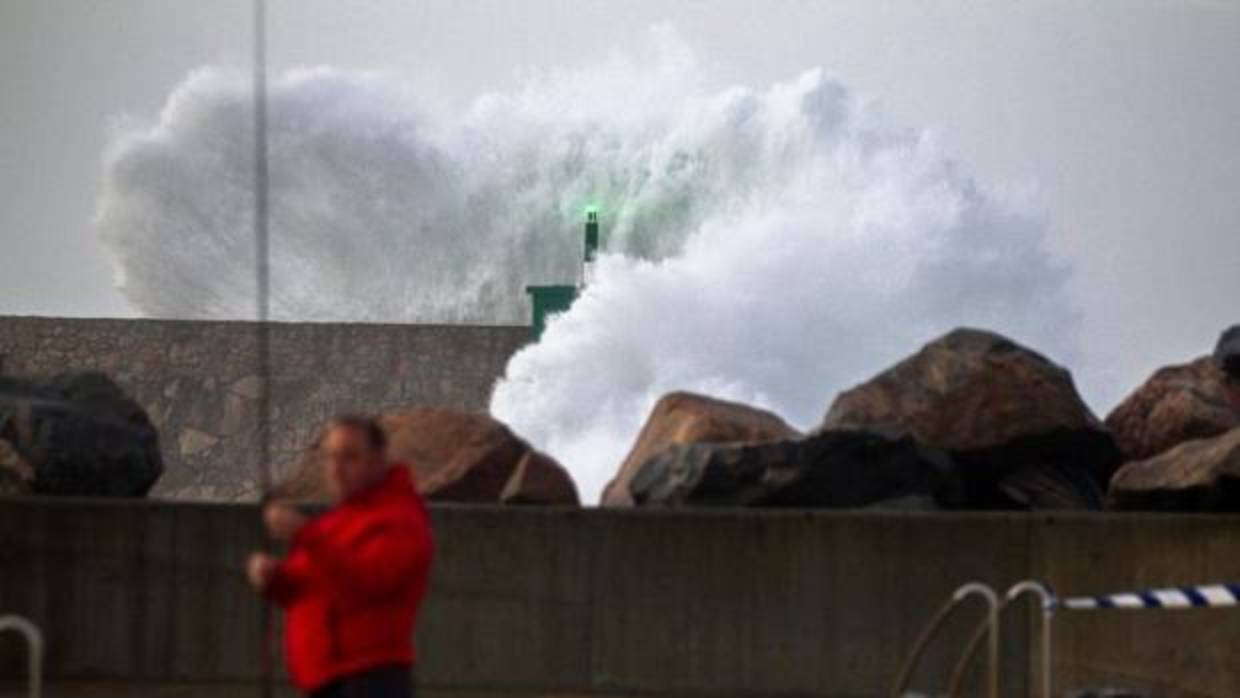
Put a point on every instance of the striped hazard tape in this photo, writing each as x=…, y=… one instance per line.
x=1203, y=596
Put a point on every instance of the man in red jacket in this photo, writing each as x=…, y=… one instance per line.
x=355, y=576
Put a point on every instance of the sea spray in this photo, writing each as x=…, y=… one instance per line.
x=851, y=247
x=770, y=244
x=382, y=209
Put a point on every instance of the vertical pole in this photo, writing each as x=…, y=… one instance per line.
x=262, y=283
x=262, y=271
x=992, y=671
x=1048, y=617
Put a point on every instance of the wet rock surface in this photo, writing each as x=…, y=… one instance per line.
x=75, y=434
x=1011, y=419
x=1197, y=475
x=456, y=457
x=688, y=418
x=831, y=469
x=1177, y=404
x=539, y=479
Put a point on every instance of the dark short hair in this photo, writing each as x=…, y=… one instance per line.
x=368, y=426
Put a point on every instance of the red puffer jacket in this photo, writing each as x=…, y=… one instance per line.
x=352, y=584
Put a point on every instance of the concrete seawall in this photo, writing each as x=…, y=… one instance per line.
x=591, y=602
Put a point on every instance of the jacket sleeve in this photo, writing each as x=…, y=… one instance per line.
x=380, y=558
x=288, y=582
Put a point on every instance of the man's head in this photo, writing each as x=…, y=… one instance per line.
x=355, y=455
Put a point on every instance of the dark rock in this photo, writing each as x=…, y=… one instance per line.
x=835, y=469
x=1227, y=352
x=1199, y=475
x=1177, y=404
x=455, y=457
x=1010, y=418
x=685, y=418
x=79, y=434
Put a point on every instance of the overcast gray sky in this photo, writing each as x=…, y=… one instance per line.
x=1123, y=115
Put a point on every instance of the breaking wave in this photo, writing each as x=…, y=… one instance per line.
x=769, y=244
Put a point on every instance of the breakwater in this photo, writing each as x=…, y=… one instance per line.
x=198, y=381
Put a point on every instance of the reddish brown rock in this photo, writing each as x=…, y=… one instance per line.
x=1197, y=475
x=456, y=457
x=966, y=391
x=685, y=418
x=1178, y=403
x=1013, y=420
x=538, y=479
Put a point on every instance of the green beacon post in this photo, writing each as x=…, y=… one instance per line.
x=550, y=300
x=591, y=235
x=591, y=247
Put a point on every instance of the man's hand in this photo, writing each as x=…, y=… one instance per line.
x=259, y=570
x=283, y=521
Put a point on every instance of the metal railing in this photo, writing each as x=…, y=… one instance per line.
x=932, y=628
x=1219, y=595
x=34, y=649
x=1048, y=602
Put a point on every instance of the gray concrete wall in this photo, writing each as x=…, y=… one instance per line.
x=593, y=602
x=198, y=381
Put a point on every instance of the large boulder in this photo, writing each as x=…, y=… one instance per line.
x=831, y=469
x=1011, y=418
x=688, y=418
x=1198, y=475
x=75, y=434
x=1177, y=404
x=455, y=457
x=1227, y=352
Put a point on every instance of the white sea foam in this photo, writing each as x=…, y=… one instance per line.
x=770, y=244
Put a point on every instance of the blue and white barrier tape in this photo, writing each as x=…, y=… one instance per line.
x=1203, y=596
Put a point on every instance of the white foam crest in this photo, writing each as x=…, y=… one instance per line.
x=769, y=244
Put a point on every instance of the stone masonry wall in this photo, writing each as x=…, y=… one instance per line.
x=198, y=381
